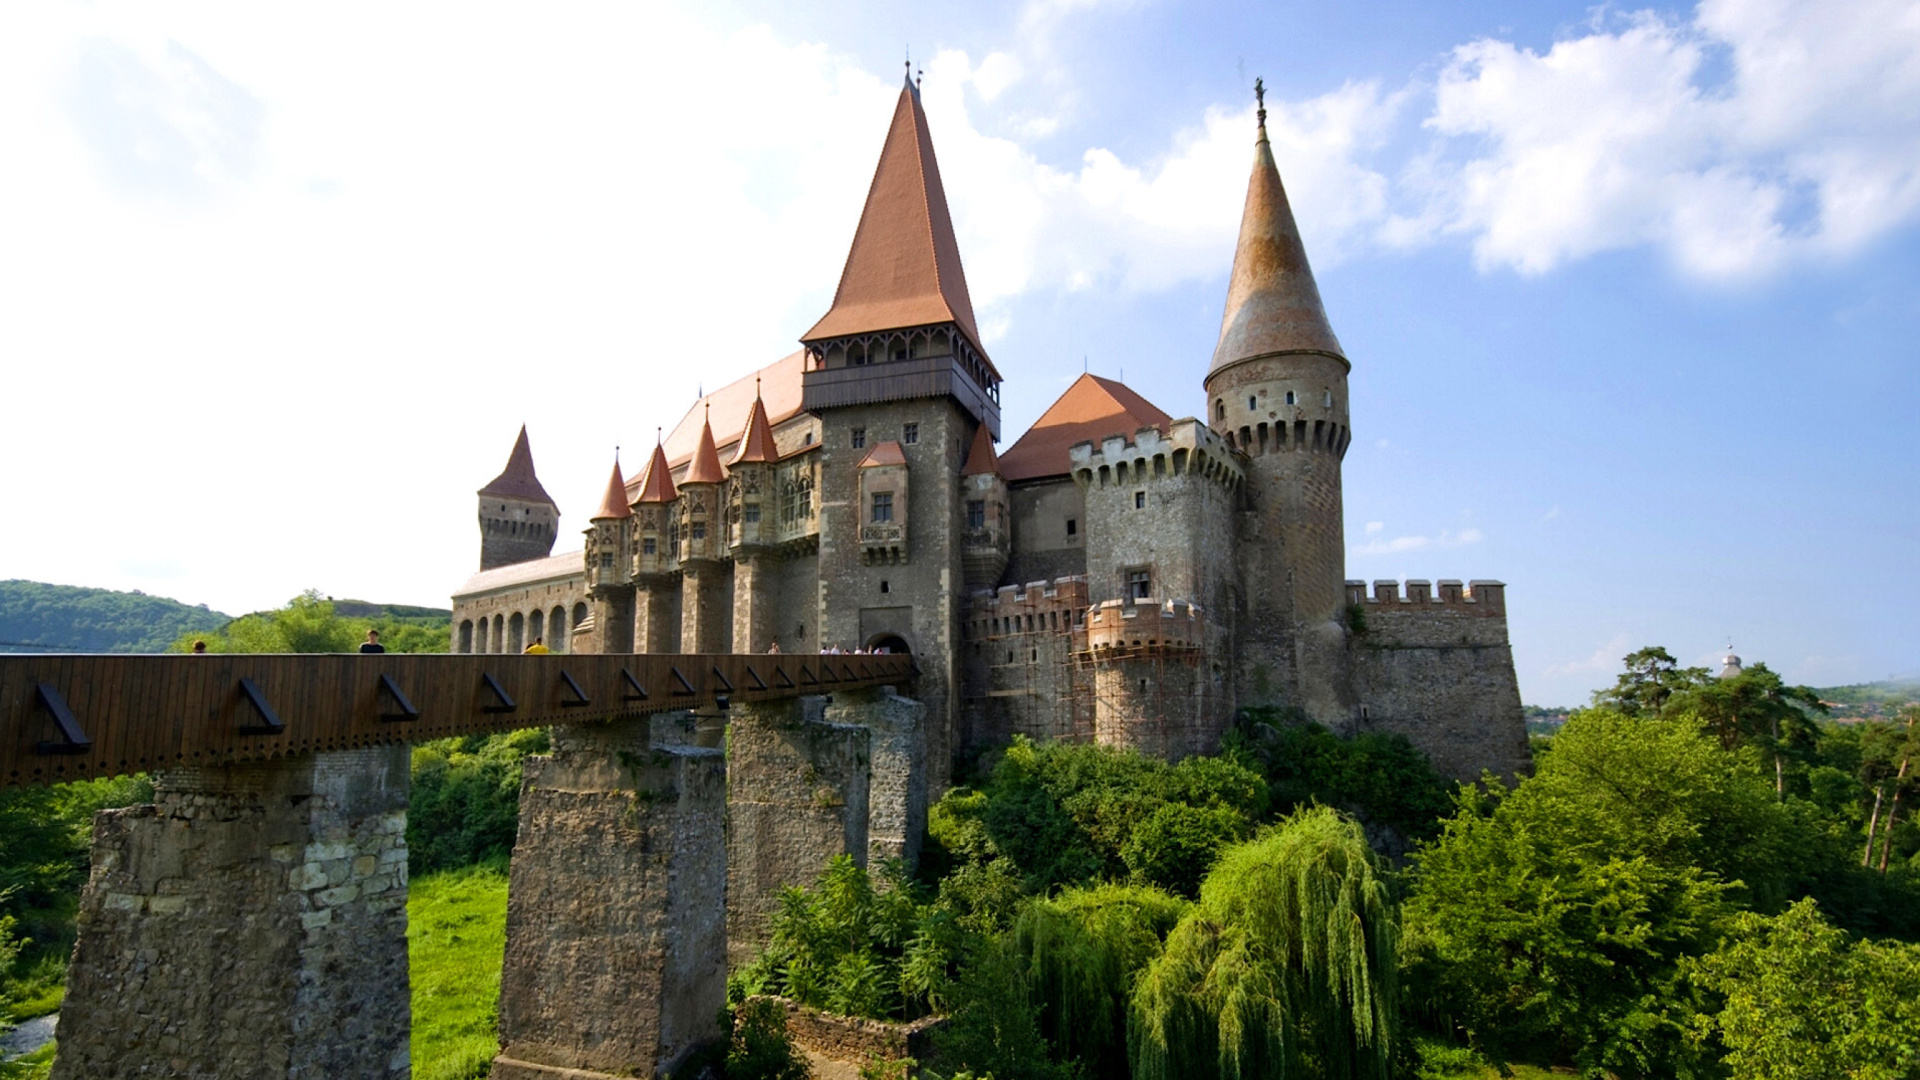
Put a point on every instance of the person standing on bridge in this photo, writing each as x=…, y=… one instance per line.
x=372, y=644
x=538, y=648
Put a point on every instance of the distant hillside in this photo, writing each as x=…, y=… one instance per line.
x=35, y=617
x=361, y=609
x=1869, y=701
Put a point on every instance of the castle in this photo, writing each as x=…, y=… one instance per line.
x=1115, y=575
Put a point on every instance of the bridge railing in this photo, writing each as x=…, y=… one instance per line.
x=67, y=717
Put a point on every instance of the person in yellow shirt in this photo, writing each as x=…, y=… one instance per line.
x=538, y=648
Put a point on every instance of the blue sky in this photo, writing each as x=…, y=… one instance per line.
x=1631, y=295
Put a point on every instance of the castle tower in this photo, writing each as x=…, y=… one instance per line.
x=656, y=534
x=1277, y=391
x=897, y=359
x=750, y=511
x=989, y=537
x=518, y=519
x=609, y=558
x=705, y=624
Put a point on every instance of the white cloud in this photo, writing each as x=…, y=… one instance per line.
x=1605, y=658
x=1445, y=538
x=1621, y=138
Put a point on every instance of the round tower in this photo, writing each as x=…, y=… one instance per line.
x=518, y=519
x=1277, y=392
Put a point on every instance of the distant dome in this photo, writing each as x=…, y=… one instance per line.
x=1729, y=664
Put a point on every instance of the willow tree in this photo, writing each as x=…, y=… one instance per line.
x=1082, y=951
x=1285, y=968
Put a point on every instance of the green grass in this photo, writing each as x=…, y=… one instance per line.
x=456, y=936
x=34, y=1066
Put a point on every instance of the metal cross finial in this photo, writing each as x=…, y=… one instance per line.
x=1260, y=99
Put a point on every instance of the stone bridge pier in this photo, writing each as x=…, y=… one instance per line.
x=250, y=922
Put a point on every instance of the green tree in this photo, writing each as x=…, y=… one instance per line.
x=310, y=624
x=993, y=1026
x=1383, y=779
x=1802, y=1003
x=1651, y=678
x=759, y=1048
x=1755, y=708
x=1558, y=914
x=1082, y=952
x=464, y=807
x=1176, y=846
x=1286, y=967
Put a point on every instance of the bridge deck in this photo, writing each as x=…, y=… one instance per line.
x=76, y=717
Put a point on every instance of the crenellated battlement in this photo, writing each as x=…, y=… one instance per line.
x=1120, y=628
x=1488, y=598
x=1038, y=607
x=1189, y=448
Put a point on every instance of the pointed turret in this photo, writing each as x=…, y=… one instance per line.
x=756, y=439
x=904, y=267
x=518, y=519
x=614, y=505
x=1273, y=305
x=903, y=296
x=981, y=459
x=705, y=468
x=656, y=484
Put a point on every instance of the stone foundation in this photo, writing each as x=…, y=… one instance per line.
x=837, y=1046
x=897, y=785
x=251, y=922
x=796, y=797
x=615, y=927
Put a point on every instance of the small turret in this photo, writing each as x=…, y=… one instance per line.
x=518, y=519
x=700, y=507
x=751, y=470
x=988, y=541
x=656, y=532
x=610, y=538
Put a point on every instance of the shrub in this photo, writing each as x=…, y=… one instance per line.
x=759, y=1048
x=1175, y=847
x=465, y=805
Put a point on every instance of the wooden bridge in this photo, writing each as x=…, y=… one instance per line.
x=65, y=717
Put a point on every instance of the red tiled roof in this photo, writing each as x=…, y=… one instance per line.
x=656, y=484
x=904, y=266
x=614, y=505
x=778, y=389
x=1273, y=305
x=1091, y=409
x=980, y=457
x=886, y=453
x=705, y=468
x=517, y=480
x=756, y=439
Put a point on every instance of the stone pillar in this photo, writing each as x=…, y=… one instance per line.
x=897, y=777
x=251, y=922
x=613, y=616
x=656, y=620
x=616, y=908
x=753, y=611
x=796, y=797
x=705, y=623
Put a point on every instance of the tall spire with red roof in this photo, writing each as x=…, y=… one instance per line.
x=705, y=467
x=614, y=505
x=756, y=439
x=518, y=519
x=656, y=484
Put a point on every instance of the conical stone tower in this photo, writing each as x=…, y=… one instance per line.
x=1277, y=390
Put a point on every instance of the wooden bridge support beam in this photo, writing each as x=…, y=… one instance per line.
x=251, y=922
x=796, y=797
x=615, y=961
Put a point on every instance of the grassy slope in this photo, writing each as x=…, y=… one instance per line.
x=456, y=936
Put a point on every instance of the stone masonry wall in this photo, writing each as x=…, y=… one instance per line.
x=615, y=926
x=1437, y=668
x=897, y=784
x=251, y=922
x=1018, y=664
x=796, y=796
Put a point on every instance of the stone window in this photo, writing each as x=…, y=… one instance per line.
x=1073, y=526
x=976, y=514
x=807, y=439
x=1139, y=584
x=859, y=437
x=649, y=546
x=606, y=560
x=698, y=531
x=883, y=587
x=1220, y=408
x=752, y=512
x=1251, y=403
x=1139, y=500
x=910, y=434
x=1329, y=401
x=1290, y=400
x=882, y=507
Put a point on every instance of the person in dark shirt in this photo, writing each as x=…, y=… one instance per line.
x=372, y=644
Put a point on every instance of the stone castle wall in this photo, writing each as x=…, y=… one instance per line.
x=1436, y=667
x=1018, y=664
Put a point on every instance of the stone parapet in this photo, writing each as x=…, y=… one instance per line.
x=841, y=1045
x=615, y=927
x=252, y=921
x=1116, y=627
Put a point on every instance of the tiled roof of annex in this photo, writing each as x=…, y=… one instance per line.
x=1091, y=409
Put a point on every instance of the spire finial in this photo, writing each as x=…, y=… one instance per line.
x=1260, y=101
